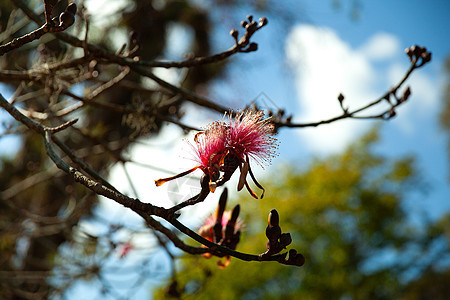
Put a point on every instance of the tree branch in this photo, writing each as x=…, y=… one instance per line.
x=66, y=19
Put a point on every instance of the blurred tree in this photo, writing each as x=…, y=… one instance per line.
x=346, y=215
x=41, y=201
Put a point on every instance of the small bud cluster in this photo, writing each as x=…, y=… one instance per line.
x=398, y=100
x=419, y=55
x=279, y=241
x=279, y=117
x=243, y=44
x=65, y=19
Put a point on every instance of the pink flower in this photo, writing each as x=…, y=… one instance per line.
x=210, y=147
x=225, y=146
x=209, y=152
x=125, y=249
x=250, y=135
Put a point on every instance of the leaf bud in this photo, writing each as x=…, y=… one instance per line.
x=66, y=19
x=296, y=259
x=234, y=33
x=252, y=47
x=273, y=232
x=285, y=239
x=274, y=218
x=263, y=21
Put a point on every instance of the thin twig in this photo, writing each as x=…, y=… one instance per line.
x=65, y=22
x=352, y=114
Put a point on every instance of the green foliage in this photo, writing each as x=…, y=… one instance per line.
x=345, y=216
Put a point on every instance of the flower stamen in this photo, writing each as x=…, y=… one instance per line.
x=161, y=181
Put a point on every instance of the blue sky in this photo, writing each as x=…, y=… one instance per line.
x=313, y=43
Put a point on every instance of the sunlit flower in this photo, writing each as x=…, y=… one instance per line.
x=225, y=146
x=250, y=135
x=210, y=149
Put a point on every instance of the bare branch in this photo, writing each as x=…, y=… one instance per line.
x=66, y=19
x=418, y=59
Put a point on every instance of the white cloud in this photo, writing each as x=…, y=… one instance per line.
x=381, y=46
x=326, y=66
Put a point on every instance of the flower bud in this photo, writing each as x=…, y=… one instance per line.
x=274, y=218
x=273, y=232
x=234, y=33
x=217, y=232
x=296, y=259
x=262, y=21
x=285, y=239
x=212, y=186
x=66, y=19
x=426, y=56
x=221, y=206
x=235, y=214
x=252, y=47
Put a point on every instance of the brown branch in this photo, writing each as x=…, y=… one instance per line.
x=66, y=19
x=220, y=250
x=142, y=69
x=242, y=45
x=96, y=187
x=11, y=76
x=108, y=84
x=188, y=95
x=82, y=164
x=418, y=59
